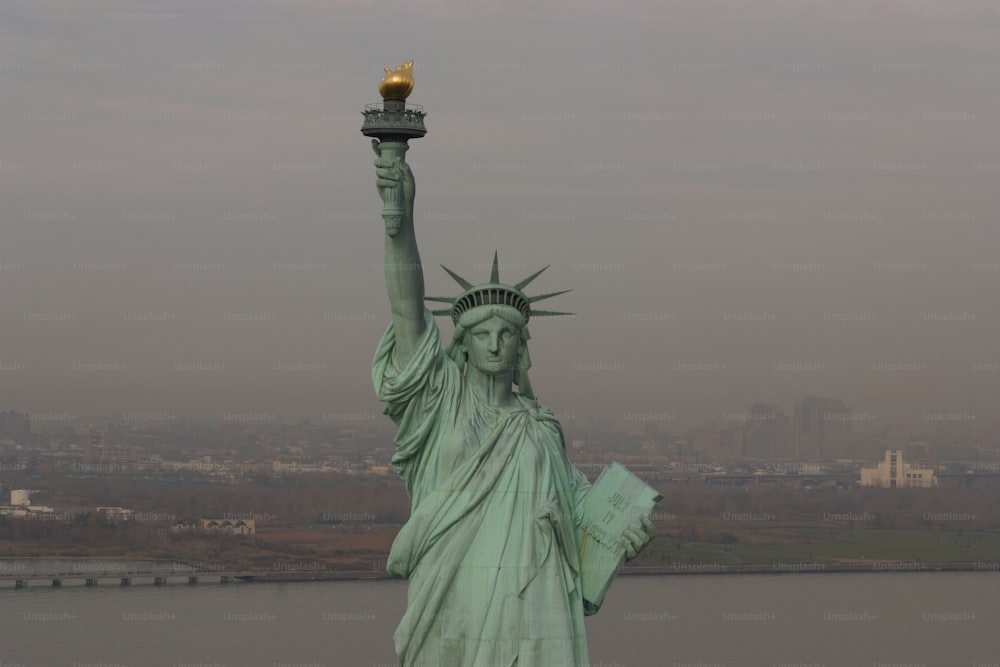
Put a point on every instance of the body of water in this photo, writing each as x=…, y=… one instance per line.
x=892, y=619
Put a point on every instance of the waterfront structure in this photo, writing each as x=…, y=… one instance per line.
x=894, y=472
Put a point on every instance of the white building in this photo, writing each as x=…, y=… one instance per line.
x=893, y=472
x=20, y=507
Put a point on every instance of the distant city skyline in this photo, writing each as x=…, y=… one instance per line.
x=752, y=204
x=812, y=426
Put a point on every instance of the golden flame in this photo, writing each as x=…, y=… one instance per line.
x=397, y=84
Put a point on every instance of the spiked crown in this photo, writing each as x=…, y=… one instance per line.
x=494, y=293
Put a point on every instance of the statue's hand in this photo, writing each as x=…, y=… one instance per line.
x=391, y=173
x=638, y=538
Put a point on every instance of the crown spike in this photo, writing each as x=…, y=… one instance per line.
x=539, y=297
x=466, y=285
x=526, y=281
x=548, y=313
x=494, y=293
x=495, y=273
x=441, y=313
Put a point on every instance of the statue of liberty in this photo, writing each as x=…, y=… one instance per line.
x=490, y=549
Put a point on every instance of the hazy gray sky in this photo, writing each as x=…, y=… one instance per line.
x=752, y=201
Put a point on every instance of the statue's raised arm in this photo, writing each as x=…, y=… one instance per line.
x=404, y=275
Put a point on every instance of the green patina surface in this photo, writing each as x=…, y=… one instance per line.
x=490, y=549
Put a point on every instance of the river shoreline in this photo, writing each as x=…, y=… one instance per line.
x=14, y=569
x=685, y=569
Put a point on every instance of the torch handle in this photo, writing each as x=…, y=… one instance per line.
x=393, y=208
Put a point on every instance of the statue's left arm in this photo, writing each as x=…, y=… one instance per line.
x=635, y=538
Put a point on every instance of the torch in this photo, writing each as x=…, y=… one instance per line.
x=391, y=124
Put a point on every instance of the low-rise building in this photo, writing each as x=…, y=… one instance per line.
x=230, y=526
x=894, y=472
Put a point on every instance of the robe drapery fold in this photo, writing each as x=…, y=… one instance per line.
x=490, y=547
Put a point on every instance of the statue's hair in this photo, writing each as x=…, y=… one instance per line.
x=479, y=314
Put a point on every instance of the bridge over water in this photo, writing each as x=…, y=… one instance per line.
x=55, y=572
x=123, y=579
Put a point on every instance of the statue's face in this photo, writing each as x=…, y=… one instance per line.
x=493, y=346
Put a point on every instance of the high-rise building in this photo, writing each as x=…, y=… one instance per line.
x=767, y=433
x=822, y=429
x=705, y=440
x=15, y=425
x=731, y=442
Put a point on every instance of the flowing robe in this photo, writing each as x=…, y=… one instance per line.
x=490, y=548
